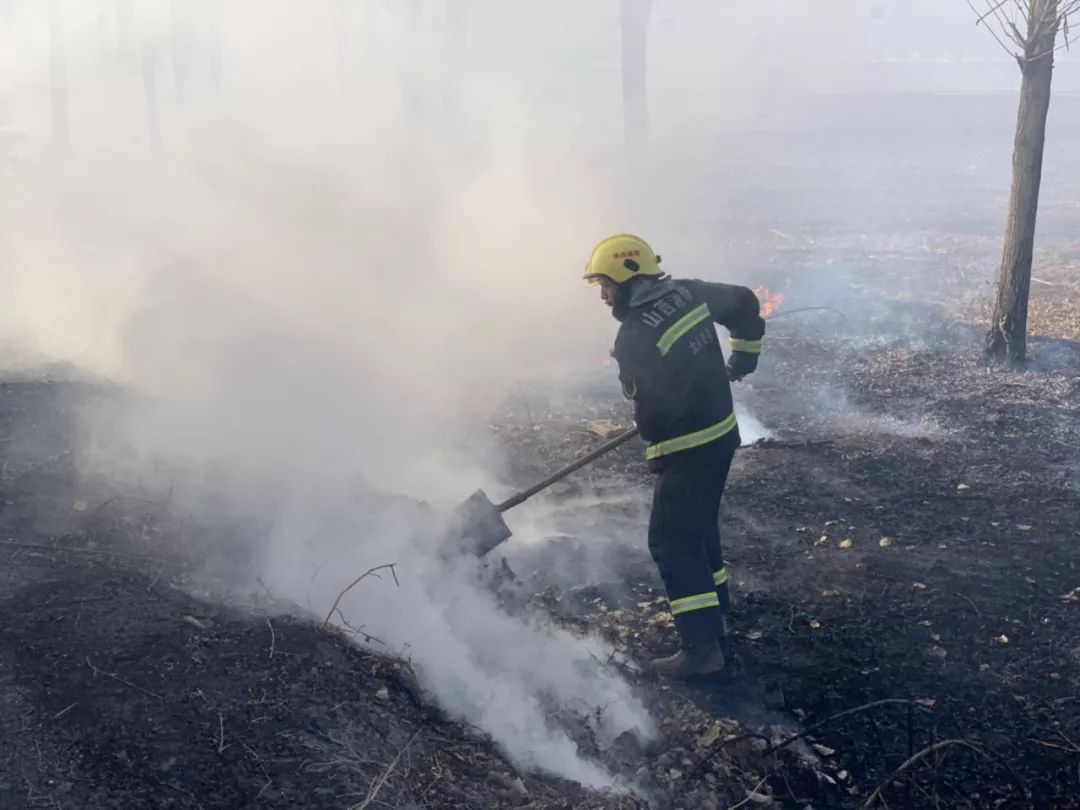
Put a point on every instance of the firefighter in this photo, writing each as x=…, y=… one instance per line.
x=672, y=367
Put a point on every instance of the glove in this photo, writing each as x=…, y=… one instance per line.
x=740, y=364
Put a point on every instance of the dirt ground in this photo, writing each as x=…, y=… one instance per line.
x=908, y=538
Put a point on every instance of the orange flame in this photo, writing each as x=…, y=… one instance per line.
x=770, y=301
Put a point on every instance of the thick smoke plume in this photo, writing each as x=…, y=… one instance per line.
x=316, y=269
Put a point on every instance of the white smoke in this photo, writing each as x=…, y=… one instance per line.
x=318, y=286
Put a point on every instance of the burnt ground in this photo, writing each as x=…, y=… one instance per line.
x=910, y=535
x=128, y=681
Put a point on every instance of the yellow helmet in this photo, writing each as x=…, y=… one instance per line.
x=621, y=258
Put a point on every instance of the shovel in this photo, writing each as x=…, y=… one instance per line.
x=478, y=524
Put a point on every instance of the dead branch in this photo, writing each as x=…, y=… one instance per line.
x=993, y=32
x=273, y=640
x=118, y=679
x=377, y=785
x=930, y=749
x=995, y=7
x=356, y=582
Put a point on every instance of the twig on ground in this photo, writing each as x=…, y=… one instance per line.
x=118, y=679
x=118, y=554
x=377, y=785
x=930, y=749
x=57, y=716
x=750, y=794
x=846, y=713
x=356, y=582
x=973, y=605
x=720, y=745
x=273, y=640
x=221, y=733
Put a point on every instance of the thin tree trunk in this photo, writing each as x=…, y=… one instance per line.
x=1006, y=342
x=215, y=45
x=149, y=73
x=635, y=35
x=58, y=87
x=180, y=42
x=341, y=39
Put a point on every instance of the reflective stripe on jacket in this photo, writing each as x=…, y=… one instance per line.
x=671, y=364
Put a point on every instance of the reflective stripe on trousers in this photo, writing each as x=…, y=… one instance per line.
x=692, y=440
x=698, y=601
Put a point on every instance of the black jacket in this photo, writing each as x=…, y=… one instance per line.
x=671, y=364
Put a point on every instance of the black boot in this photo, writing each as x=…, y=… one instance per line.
x=699, y=661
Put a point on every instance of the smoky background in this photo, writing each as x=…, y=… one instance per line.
x=318, y=243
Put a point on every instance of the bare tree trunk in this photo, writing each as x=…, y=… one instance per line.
x=1006, y=342
x=635, y=35
x=149, y=74
x=180, y=41
x=58, y=87
x=216, y=46
x=341, y=39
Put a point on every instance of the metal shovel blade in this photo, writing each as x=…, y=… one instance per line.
x=477, y=525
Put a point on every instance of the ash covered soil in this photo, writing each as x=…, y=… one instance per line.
x=910, y=534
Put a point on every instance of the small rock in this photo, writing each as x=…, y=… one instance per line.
x=847, y=542
x=1002, y=639
x=605, y=428
x=885, y=542
x=383, y=693
x=939, y=652
x=823, y=750
x=80, y=506
x=675, y=774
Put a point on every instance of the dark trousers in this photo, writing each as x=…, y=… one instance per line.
x=684, y=538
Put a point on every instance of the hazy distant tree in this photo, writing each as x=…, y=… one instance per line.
x=58, y=87
x=635, y=35
x=1028, y=30
x=180, y=39
x=457, y=18
x=149, y=76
